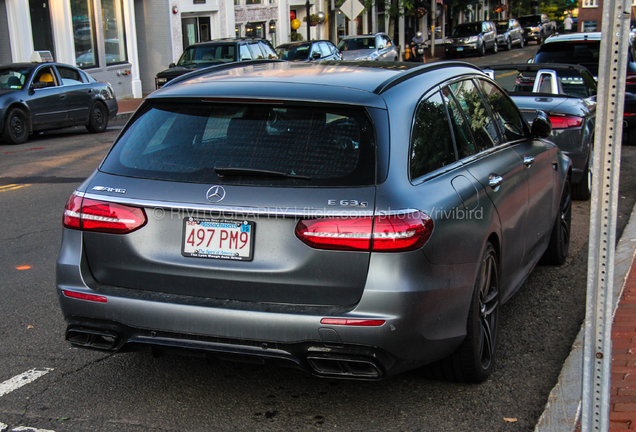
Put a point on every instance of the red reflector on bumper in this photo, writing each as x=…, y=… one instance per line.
x=352, y=322
x=82, y=296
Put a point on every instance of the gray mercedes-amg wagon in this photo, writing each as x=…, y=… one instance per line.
x=355, y=219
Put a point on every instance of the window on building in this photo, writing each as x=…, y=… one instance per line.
x=589, y=3
x=84, y=33
x=589, y=26
x=253, y=2
x=114, y=31
x=237, y=30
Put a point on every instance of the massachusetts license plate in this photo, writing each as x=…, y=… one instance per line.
x=217, y=238
x=460, y=48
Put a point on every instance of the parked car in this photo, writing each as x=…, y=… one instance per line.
x=217, y=51
x=509, y=34
x=537, y=27
x=584, y=49
x=308, y=51
x=355, y=220
x=368, y=47
x=42, y=96
x=472, y=38
x=567, y=94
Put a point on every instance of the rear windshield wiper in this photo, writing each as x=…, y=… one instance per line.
x=237, y=171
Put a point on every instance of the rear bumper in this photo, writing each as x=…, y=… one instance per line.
x=423, y=322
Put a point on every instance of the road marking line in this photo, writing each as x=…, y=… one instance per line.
x=506, y=74
x=12, y=187
x=23, y=379
x=29, y=429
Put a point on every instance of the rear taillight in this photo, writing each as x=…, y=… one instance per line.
x=630, y=79
x=394, y=233
x=565, y=122
x=100, y=216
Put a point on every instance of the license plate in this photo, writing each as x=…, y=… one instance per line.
x=460, y=48
x=217, y=238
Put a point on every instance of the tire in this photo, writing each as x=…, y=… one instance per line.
x=508, y=45
x=482, y=50
x=582, y=191
x=16, y=127
x=474, y=359
x=522, y=42
x=98, y=120
x=495, y=47
x=557, y=250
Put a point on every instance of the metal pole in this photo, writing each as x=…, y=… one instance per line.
x=308, y=6
x=597, y=354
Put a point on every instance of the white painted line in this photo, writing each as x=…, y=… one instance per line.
x=3, y=426
x=29, y=429
x=19, y=380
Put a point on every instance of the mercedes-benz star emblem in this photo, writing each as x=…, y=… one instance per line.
x=215, y=194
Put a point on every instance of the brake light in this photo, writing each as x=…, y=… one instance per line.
x=394, y=233
x=565, y=122
x=82, y=296
x=630, y=79
x=100, y=216
x=352, y=322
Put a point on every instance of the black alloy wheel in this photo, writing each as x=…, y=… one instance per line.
x=557, y=250
x=474, y=360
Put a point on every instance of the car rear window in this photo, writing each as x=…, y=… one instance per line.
x=585, y=53
x=248, y=144
x=571, y=82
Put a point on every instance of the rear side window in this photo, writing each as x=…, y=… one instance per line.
x=481, y=123
x=431, y=140
x=248, y=144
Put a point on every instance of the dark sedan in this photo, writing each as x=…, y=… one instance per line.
x=308, y=51
x=567, y=93
x=41, y=96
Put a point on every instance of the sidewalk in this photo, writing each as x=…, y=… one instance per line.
x=126, y=109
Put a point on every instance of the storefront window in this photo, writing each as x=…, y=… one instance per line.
x=114, y=33
x=84, y=33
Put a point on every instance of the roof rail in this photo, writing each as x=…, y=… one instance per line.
x=394, y=80
x=219, y=67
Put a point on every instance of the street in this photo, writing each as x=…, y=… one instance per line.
x=70, y=389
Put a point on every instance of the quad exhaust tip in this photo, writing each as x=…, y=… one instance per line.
x=345, y=367
x=92, y=339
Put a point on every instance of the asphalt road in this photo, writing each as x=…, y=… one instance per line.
x=87, y=391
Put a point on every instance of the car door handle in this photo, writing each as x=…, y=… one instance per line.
x=494, y=181
x=527, y=160
x=63, y=96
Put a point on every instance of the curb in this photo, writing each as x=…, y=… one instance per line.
x=121, y=118
x=563, y=409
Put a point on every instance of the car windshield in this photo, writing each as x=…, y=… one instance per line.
x=357, y=44
x=14, y=78
x=466, y=30
x=207, y=54
x=585, y=53
x=529, y=21
x=247, y=144
x=293, y=52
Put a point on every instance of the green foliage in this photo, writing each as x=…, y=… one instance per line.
x=296, y=37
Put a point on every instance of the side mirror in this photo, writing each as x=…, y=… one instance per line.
x=315, y=55
x=171, y=65
x=541, y=125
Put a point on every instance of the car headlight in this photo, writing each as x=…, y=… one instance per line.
x=472, y=39
x=449, y=41
x=534, y=29
x=159, y=82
